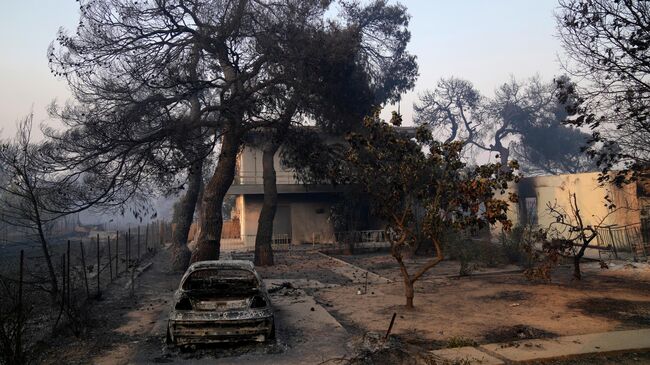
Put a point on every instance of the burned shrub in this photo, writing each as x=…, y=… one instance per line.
x=13, y=324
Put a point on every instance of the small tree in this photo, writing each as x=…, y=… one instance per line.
x=13, y=322
x=401, y=174
x=568, y=235
x=36, y=192
x=28, y=196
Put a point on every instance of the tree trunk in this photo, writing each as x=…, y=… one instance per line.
x=48, y=260
x=504, y=155
x=409, y=293
x=576, y=267
x=183, y=217
x=41, y=236
x=263, y=239
x=209, y=240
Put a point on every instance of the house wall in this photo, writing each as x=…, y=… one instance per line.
x=306, y=215
x=590, y=195
x=249, y=168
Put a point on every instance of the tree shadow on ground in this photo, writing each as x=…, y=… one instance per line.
x=562, y=277
x=509, y=295
x=628, y=312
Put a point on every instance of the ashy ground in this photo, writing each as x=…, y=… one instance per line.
x=333, y=305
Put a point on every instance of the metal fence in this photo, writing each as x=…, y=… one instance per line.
x=277, y=241
x=84, y=268
x=88, y=264
x=629, y=241
x=375, y=236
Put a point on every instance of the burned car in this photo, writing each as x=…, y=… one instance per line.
x=220, y=301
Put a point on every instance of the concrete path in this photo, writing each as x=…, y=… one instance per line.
x=298, y=283
x=355, y=273
x=546, y=349
x=317, y=336
x=307, y=334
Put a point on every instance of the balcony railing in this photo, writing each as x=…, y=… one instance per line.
x=256, y=178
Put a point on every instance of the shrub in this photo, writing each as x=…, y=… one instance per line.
x=13, y=320
x=473, y=254
x=460, y=341
x=518, y=245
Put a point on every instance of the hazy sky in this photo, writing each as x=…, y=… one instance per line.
x=479, y=40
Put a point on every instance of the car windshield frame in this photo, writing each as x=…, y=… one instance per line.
x=217, y=278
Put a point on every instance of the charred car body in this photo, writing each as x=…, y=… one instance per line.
x=220, y=301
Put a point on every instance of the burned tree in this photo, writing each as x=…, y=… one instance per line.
x=153, y=77
x=14, y=315
x=184, y=215
x=568, y=235
x=518, y=120
x=36, y=193
x=270, y=145
x=352, y=65
x=564, y=156
x=28, y=192
x=607, y=45
x=401, y=174
x=543, y=122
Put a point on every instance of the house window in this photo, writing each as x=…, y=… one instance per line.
x=530, y=211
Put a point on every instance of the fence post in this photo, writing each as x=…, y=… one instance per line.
x=611, y=236
x=138, y=243
x=68, y=274
x=160, y=234
x=630, y=244
x=146, y=237
x=641, y=241
x=117, y=252
x=128, y=248
x=98, y=269
x=63, y=285
x=20, y=279
x=83, y=263
x=110, y=258
x=20, y=304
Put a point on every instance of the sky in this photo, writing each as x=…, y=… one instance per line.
x=484, y=41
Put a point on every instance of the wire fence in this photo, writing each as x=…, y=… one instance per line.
x=84, y=268
x=89, y=264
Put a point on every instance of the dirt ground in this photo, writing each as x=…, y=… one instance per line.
x=487, y=307
x=126, y=329
x=384, y=265
x=493, y=305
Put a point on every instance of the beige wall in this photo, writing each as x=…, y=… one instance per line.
x=309, y=215
x=249, y=168
x=309, y=225
x=590, y=195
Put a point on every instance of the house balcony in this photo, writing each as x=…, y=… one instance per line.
x=252, y=182
x=256, y=178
